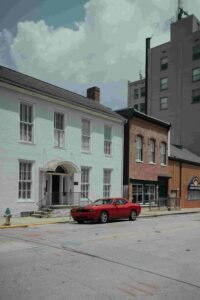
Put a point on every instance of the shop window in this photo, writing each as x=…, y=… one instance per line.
x=137, y=193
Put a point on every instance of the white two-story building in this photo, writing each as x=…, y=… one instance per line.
x=56, y=147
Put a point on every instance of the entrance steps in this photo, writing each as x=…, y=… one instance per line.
x=53, y=211
x=46, y=213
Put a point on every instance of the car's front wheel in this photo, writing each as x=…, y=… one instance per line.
x=104, y=217
x=133, y=215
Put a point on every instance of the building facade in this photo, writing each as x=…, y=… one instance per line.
x=174, y=83
x=56, y=147
x=136, y=95
x=184, y=182
x=146, y=141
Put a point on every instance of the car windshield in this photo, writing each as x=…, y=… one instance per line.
x=103, y=201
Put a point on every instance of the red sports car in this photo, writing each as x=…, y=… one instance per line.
x=106, y=209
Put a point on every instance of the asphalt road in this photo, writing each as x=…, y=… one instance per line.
x=153, y=258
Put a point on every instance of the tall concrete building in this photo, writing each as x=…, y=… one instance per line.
x=174, y=82
x=136, y=95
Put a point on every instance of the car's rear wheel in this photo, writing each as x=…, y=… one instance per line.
x=133, y=215
x=104, y=217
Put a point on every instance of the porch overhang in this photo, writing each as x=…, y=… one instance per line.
x=69, y=167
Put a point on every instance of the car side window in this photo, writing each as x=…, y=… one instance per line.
x=120, y=202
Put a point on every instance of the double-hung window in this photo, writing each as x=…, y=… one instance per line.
x=164, y=63
x=85, y=182
x=106, y=182
x=163, y=153
x=107, y=140
x=163, y=103
x=59, y=131
x=196, y=96
x=26, y=123
x=152, y=151
x=86, y=135
x=25, y=180
x=196, y=74
x=139, y=148
x=164, y=84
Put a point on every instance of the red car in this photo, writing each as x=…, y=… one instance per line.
x=106, y=209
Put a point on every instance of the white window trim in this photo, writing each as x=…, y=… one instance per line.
x=89, y=184
x=111, y=141
x=107, y=185
x=64, y=125
x=90, y=144
x=31, y=200
x=29, y=103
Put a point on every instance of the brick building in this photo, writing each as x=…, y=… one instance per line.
x=184, y=170
x=146, y=142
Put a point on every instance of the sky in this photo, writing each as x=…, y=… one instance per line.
x=77, y=44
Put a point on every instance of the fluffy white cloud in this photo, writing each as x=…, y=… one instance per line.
x=106, y=49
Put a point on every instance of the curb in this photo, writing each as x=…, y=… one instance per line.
x=169, y=214
x=32, y=225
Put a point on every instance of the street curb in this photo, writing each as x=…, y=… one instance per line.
x=170, y=214
x=32, y=225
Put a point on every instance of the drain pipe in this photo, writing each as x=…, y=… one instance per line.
x=146, y=71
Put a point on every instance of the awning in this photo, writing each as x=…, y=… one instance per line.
x=67, y=166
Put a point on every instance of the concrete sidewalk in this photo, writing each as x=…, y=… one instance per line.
x=32, y=221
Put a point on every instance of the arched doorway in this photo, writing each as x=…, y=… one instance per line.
x=59, y=183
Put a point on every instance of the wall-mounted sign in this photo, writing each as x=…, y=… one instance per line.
x=194, y=183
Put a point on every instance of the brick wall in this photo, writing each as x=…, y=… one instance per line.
x=188, y=171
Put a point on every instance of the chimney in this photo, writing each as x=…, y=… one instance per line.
x=94, y=93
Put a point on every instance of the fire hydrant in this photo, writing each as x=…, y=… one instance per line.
x=7, y=216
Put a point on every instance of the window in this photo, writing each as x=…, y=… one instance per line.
x=164, y=63
x=163, y=103
x=163, y=153
x=136, y=94
x=142, y=107
x=136, y=106
x=25, y=180
x=86, y=135
x=139, y=148
x=196, y=74
x=85, y=185
x=106, y=182
x=194, y=195
x=149, y=193
x=107, y=140
x=142, y=91
x=163, y=84
x=152, y=151
x=26, y=123
x=137, y=193
x=59, y=132
x=196, y=96
x=196, y=52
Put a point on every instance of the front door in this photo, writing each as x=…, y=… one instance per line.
x=55, y=189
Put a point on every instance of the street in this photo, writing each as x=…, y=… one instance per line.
x=151, y=258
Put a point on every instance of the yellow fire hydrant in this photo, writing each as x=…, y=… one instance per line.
x=7, y=216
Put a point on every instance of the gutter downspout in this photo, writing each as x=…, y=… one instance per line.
x=146, y=72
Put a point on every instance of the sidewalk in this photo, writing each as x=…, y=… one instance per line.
x=32, y=221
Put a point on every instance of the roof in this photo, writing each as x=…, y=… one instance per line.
x=130, y=113
x=182, y=154
x=26, y=82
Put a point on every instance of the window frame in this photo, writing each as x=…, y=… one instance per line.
x=25, y=181
x=135, y=94
x=163, y=66
x=108, y=142
x=85, y=184
x=25, y=123
x=163, y=86
x=196, y=54
x=162, y=104
x=139, y=150
x=163, y=154
x=85, y=136
x=195, y=76
x=196, y=99
x=152, y=154
x=60, y=133
x=107, y=184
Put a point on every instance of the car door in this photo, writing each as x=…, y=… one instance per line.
x=120, y=209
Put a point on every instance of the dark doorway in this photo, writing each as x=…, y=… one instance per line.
x=163, y=191
x=55, y=189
